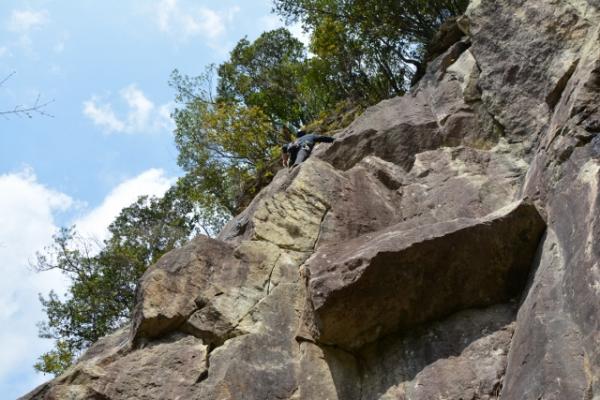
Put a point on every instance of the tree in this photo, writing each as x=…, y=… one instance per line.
x=229, y=142
x=266, y=74
x=103, y=276
x=373, y=47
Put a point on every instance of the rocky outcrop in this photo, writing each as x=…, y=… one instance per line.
x=446, y=246
x=397, y=279
x=206, y=288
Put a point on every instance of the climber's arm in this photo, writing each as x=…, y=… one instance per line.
x=285, y=158
x=324, y=139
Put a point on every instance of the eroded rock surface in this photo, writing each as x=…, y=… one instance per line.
x=463, y=356
x=446, y=246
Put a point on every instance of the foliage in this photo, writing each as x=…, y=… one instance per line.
x=229, y=143
x=372, y=47
x=266, y=74
x=103, y=275
x=57, y=360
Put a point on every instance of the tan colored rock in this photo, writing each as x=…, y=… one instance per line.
x=524, y=52
x=262, y=364
x=394, y=130
x=165, y=369
x=328, y=373
x=291, y=219
x=207, y=287
x=443, y=184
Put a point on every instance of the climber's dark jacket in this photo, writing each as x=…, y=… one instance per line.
x=311, y=139
x=302, y=147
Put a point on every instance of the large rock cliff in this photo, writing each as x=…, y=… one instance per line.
x=446, y=246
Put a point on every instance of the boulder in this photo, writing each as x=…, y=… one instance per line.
x=393, y=280
x=206, y=288
x=110, y=369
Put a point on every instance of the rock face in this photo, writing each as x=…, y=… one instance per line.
x=445, y=246
x=378, y=284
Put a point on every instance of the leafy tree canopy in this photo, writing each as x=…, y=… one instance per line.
x=375, y=45
x=229, y=142
x=266, y=74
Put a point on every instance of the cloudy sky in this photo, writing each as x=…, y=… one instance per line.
x=104, y=65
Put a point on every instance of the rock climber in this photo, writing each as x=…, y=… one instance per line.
x=294, y=153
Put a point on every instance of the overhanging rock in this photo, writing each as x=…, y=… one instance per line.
x=395, y=279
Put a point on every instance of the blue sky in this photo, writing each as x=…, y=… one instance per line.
x=105, y=67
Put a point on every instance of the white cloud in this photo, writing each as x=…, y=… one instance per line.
x=24, y=21
x=26, y=225
x=297, y=30
x=183, y=20
x=140, y=107
x=95, y=223
x=3, y=51
x=271, y=22
x=142, y=115
x=23, y=24
x=102, y=115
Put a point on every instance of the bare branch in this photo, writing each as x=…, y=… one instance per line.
x=3, y=81
x=38, y=107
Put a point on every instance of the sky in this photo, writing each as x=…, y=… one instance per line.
x=104, y=67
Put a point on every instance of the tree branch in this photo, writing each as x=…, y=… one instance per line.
x=26, y=111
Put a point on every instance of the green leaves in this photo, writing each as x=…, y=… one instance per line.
x=265, y=74
x=372, y=47
x=228, y=143
x=56, y=361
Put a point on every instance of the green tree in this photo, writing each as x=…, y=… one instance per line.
x=266, y=74
x=229, y=142
x=373, y=47
x=103, y=276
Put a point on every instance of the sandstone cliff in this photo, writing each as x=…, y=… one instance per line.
x=446, y=246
